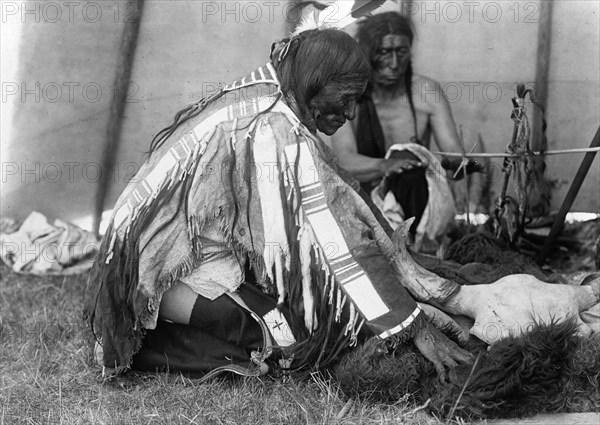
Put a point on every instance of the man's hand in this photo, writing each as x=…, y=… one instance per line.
x=442, y=352
x=446, y=324
x=400, y=165
x=452, y=165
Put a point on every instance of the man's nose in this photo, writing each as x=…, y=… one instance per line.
x=350, y=112
x=394, y=60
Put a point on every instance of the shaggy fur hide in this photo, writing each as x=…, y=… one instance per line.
x=480, y=258
x=550, y=369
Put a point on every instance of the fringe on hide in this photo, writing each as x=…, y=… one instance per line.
x=264, y=221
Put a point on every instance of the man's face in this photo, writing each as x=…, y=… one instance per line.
x=392, y=59
x=333, y=105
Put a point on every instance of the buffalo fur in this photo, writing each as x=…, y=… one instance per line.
x=479, y=258
x=550, y=369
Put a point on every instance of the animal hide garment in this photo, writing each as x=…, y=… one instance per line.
x=244, y=166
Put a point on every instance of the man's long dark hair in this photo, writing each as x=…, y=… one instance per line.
x=372, y=30
x=370, y=37
x=315, y=58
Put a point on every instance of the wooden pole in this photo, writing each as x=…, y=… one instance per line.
x=559, y=221
x=514, y=155
x=407, y=9
x=121, y=85
x=541, y=72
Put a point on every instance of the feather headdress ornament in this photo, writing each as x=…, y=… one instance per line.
x=337, y=15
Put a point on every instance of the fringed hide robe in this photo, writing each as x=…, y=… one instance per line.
x=246, y=169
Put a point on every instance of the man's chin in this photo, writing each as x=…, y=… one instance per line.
x=329, y=131
x=389, y=81
x=328, y=128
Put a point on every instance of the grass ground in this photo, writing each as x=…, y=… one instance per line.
x=47, y=376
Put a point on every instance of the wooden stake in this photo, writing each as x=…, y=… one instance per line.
x=559, y=221
x=117, y=108
x=541, y=73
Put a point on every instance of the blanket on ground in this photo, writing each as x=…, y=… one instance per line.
x=42, y=248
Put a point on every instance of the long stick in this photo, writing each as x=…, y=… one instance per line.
x=559, y=221
x=512, y=155
x=541, y=74
x=121, y=85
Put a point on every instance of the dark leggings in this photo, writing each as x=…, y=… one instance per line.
x=220, y=333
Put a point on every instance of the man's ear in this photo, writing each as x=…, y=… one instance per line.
x=315, y=113
x=312, y=107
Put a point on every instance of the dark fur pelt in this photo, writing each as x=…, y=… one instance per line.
x=485, y=259
x=550, y=369
x=383, y=374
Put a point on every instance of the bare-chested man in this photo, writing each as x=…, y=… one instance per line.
x=400, y=107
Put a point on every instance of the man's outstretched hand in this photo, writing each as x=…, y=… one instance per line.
x=452, y=165
x=393, y=166
x=441, y=351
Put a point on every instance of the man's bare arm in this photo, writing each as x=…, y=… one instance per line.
x=442, y=121
x=445, y=133
x=361, y=167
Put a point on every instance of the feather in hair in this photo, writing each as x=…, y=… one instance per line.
x=339, y=14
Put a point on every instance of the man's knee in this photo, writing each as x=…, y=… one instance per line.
x=177, y=304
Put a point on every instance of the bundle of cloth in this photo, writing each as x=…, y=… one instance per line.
x=439, y=213
x=42, y=248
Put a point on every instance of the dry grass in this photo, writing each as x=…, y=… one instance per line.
x=47, y=376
